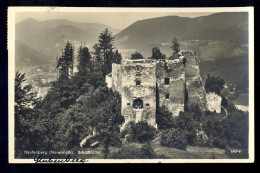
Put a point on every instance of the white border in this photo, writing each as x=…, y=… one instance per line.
x=11, y=77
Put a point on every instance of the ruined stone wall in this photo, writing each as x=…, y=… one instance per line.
x=174, y=70
x=184, y=75
x=116, y=77
x=109, y=80
x=145, y=91
x=195, y=88
x=213, y=102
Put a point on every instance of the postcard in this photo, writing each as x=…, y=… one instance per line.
x=131, y=85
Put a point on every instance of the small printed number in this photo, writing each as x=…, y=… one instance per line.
x=235, y=151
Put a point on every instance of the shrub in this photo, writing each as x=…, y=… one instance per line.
x=215, y=132
x=139, y=132
x=115, y=140
x=204, y=143
x=127, y=152
x=187, y=124
x=147, y=151
x=128, y=130
x=164, y=118
x=236, y=129
x=220, y=142
x=230, y=132
x=143, y=132
x=131, y=151
x=174, y=138
x=214, y=84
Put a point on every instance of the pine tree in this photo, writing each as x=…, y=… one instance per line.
x=104, y=52
x=106, y=44
x=97, y=53
x=175, y=46
x=65, y=62
x=25, y=115
x=84, y=60
x=117, y=57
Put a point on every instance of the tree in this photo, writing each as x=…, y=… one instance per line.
x=112, y=57
x=26, y=116
x=108, y=119
x=164, y=118
x=139, y=132
x=117, y=57
x=25, y=98
x=65, y=62
x=84, y=60
x=102, y=110
x=156, y=54
x=137, y=55
x=214, y=84
x=97, y=53
x=147, y=151
x=105, y=44
x=174, y=138
x=175, y=46
x=236, y=128
x=104, y=52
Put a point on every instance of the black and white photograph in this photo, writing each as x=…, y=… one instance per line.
x=130, y=85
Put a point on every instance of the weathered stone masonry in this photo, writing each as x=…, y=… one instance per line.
x=144, y=83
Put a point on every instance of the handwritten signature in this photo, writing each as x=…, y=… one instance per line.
x=39, y=159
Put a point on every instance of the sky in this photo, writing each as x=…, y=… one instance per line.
x=118, y=20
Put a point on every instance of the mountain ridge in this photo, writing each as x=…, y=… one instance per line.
x=25, y=55
x=158, y=30
x=50, y=36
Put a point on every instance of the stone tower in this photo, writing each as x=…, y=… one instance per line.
x=145, y=84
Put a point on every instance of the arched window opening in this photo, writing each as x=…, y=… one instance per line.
x=138, y=104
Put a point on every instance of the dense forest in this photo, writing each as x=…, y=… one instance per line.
x=80, y=104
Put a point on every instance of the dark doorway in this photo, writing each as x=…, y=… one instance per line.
x=138, y=104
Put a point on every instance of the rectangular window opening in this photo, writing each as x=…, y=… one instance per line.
x=128, y=104
x=167, y=81
x=147, y=104
x=138, y=82
x=167, y=96
x=138, y=68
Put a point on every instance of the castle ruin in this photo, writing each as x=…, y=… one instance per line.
x=145, y=84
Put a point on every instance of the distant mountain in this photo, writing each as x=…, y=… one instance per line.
x=25, y=55
x=50, y=36
x=232, y=69
x=219, y=26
